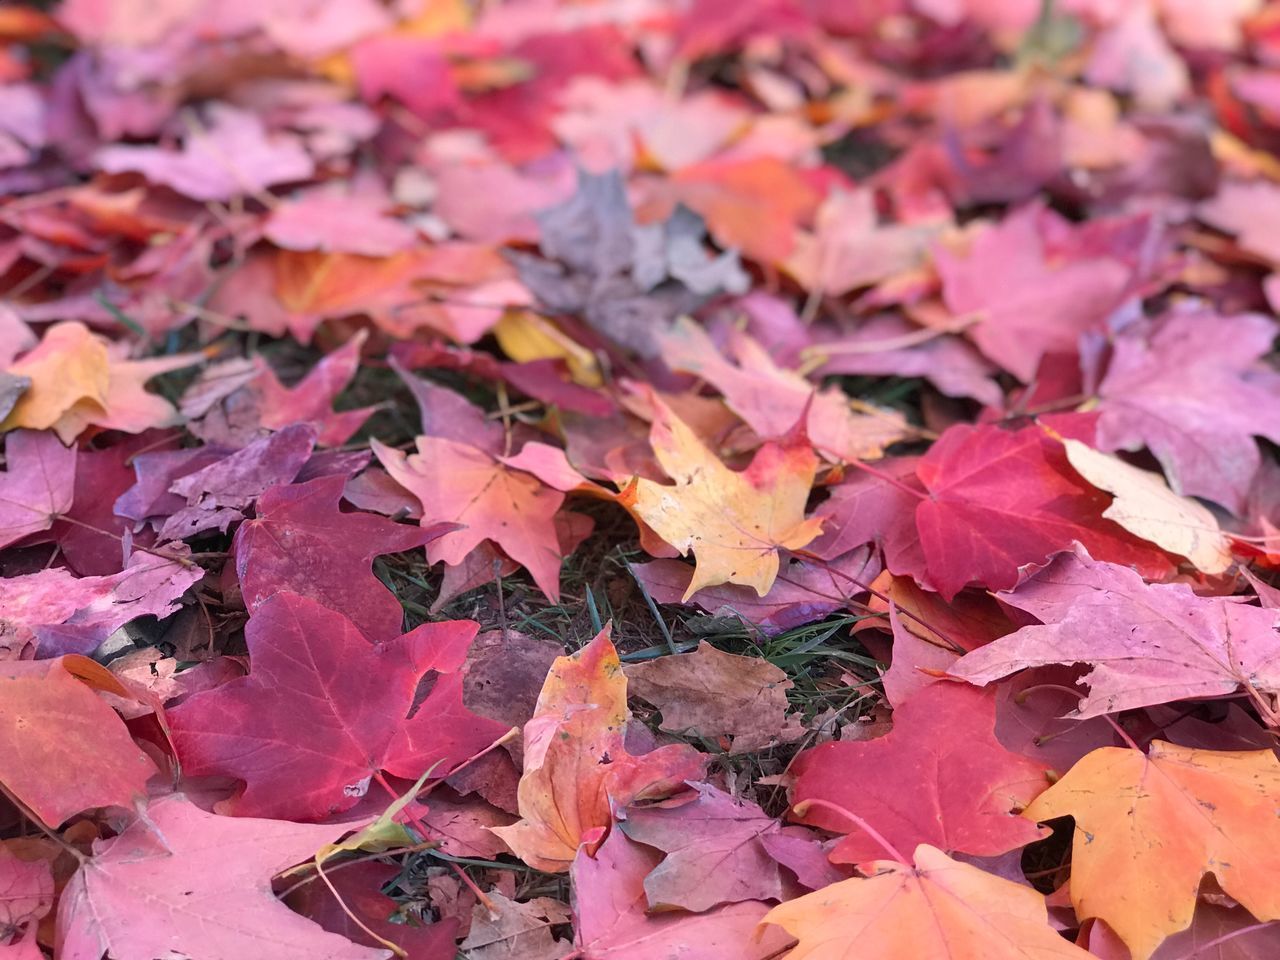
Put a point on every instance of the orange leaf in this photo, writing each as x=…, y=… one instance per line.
x=755, y=205
x=69, y=366
x=941, y=908
x=1149, y=827
x=62, y=749
x=576, y=768
x=733, y=522
x=459, y=483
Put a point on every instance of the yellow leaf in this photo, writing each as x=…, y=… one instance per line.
x=734, y=523
x=68, y=367
x=525, y=336
x=1146, y=507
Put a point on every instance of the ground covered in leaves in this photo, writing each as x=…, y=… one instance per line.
x=639, y=480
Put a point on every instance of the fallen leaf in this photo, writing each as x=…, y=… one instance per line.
x=734, y=523
x=181, y=881
x=1219, y=807
x=516, y=931
x=61, y=613
x=228, y=154
x=323, y=711
x=937, y=908
x=612, y=923
x=1146, y=507
x=461, y=484
x=1144, y=643
x=1191, y=389
x=713, y=694
x=26, y=894
x=576, y=767
x=69, y=366
x=715, y=851
x=302, y=543
x=967, y=791
x=63, y=749
x=38, y=484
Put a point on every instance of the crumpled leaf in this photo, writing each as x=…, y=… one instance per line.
x=733, y=523
x=185, y=882
x=966, y=790
x=38, y=484
x=1219, y=808
x=61, y=613
x=63, y=750
x=519, y=931
x=1144, y=643
x=937, y=908
x=323, y=710
x=301, y=542
x=713, y=694
x=576, y=767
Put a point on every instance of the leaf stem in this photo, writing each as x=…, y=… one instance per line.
x=801, y=808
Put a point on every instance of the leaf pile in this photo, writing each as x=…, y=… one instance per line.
x=661, y=481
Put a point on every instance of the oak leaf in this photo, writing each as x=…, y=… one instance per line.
x=183, y=882
x=734, y=522
x=1149, y=827
x=576, y=767
x=937, y=908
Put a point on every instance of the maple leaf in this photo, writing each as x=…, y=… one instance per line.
x=998, y=500
x=966, y=789
x=803, y=592
x=38, y=483
x=69, y=366
x=772, y=400
x=183, y=882
x=709, y=693
x=62, y=613
x=1037, y=306
x=717, y=850
x=323, y=710
x=302, y=543
x=937, y=908
x=338, y=223
x=1144, y=643
x=125, y=404
x=1146, y=507
x=516, y=931
x=63, y=750
x=576, y=768
x=1191, y=389
x=734, y=523
x=228, y=155
x=1148, y=827
x=310, y=400
x=26, y=895
x=612, y=922
x=459, y=483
